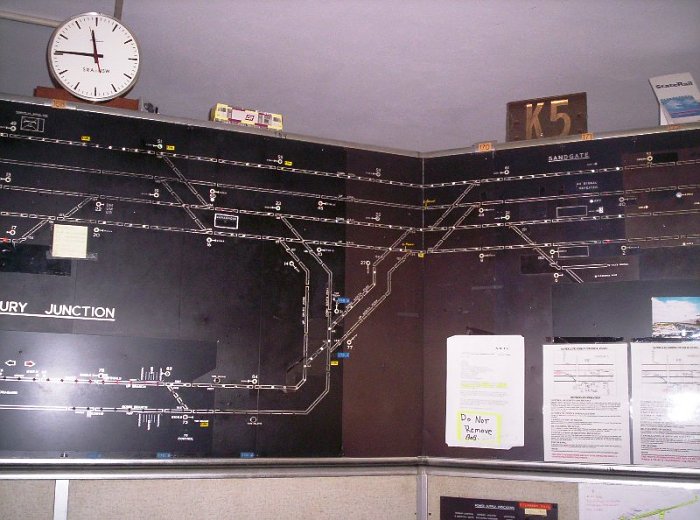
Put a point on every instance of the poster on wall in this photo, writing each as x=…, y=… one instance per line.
x=666, y=403
x=619, y=502
x=457, y=508
x=586, y=403
x=675, y=317
x=485, y=391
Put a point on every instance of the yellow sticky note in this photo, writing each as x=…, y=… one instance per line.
x=479, y=427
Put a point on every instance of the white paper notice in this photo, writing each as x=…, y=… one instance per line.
x=666, y=403
x=619, y=502
x=485, y=392
x=69, y=241
x=586, y=403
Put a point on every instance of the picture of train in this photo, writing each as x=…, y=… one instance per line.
x=242, y=116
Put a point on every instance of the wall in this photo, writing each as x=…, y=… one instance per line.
x=389, y=489
x=419, y=74
x=361, y=497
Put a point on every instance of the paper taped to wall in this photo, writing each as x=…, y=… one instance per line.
x=586, y=403
x=666, y=397
x=485, y=392
x=69, y=241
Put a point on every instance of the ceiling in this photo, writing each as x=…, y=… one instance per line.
x=419, y=75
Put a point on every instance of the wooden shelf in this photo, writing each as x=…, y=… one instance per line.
x=59, y=93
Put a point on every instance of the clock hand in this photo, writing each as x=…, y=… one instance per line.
x=94, y=51
x=92, y=55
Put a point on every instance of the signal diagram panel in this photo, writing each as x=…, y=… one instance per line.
x=171, y=290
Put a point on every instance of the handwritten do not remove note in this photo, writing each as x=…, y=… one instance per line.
x=479, y=427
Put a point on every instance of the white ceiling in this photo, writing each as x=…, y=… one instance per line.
x=413, y=74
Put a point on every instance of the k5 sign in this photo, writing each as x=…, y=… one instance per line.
x=555, y=116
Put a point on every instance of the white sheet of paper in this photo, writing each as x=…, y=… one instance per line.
x=485, y=392
x=586, y=403
x=69, y=241
x=666, y=403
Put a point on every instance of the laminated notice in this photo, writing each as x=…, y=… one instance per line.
x=586, y=403
x=666, y=397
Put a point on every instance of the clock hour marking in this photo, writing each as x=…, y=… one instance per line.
x=76, y=85
x=115, y=27
x=96, y=21
x=115, y=88
x=63, y=36
x=127, y=75
x=127, y=41
x=134, y=59
x=63, y=71
x=95, y=91
x=76, y=23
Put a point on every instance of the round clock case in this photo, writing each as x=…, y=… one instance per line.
x=94, y=57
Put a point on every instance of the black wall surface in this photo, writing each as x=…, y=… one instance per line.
x=279, y=297
x=567, y=241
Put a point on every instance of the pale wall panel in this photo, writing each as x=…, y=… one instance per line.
x=26, y=499
x=356, y=497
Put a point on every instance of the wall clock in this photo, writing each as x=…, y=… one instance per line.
x=94, y=57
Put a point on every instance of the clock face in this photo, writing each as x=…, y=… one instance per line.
x=94, y=57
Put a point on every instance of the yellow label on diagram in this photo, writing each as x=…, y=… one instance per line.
x=85, y=138
x=170, y=147
x=288, y=163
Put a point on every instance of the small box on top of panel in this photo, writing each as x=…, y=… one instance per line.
x=242, y=116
